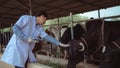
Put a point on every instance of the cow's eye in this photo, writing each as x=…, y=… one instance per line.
x=82, y=47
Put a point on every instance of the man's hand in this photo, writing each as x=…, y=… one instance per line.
x=30, y=40
x=64, y=45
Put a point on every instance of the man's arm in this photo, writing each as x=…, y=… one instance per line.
x=54, y=41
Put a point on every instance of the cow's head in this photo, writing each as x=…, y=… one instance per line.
x=76, y=53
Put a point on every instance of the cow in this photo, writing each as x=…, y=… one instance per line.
x=89, y=40
x=110, y=35
x=99, y=34
x=78, y=31
x=110, y=58
x=44, y=47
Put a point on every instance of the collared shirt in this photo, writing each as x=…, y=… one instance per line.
x=18, y=50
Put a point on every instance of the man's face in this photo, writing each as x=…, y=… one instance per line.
x=41, y=19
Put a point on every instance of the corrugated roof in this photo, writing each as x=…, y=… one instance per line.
x=11, y=10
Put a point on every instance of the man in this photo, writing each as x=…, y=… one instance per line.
x=26, y=32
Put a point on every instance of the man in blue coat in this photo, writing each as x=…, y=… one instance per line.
x=26, y=30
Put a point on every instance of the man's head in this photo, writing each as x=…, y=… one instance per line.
x=42, y=17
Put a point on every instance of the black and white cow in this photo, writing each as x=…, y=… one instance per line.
x=66, y=38
x=44, y=47
x=90, y=42
x=99, y=33
x=111, y=36
x=110, y=58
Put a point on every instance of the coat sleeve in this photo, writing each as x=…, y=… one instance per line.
x=52, y=40
x=48, y=38
x=22, y=21
x=42, y=33
x=19, y=33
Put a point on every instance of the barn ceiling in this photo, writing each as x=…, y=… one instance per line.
x=11, y=10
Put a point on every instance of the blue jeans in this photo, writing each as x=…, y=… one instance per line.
x=18, y=67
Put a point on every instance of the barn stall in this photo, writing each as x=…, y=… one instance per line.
x=54, y=8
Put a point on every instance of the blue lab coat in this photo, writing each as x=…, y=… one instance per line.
x=19, y=50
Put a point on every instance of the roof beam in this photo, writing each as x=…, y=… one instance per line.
x=6, y=7
x=52, y=7
x=4, y=13
x=23, y=4
x=61, y=5
x=82, y=1
x=3, y=2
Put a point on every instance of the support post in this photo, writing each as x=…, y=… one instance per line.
x=59, y=28
x=30, y=9
x=71, y=20
x=99, y=13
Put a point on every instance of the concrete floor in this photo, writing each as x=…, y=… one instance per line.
x=4, y=65
x=30, y=65
x=86, y=65
x=41, y=57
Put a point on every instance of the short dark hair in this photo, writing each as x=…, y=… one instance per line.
x=42, y=12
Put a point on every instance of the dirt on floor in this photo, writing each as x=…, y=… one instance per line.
x=86, y=65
